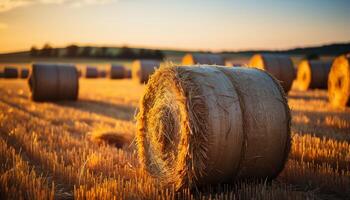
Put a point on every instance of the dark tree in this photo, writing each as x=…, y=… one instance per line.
x=312, y=56
x=34, y=51
x=72, y=51
x=46, y=51
x=126, y=53
x=86, y=52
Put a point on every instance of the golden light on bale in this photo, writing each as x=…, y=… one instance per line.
x=280, y=66
x=24, y=73
x=142, y=69
x=117, y=72
x=203, y=58
x=202, y=125
x=339, y=82
x=313, y=74
x=10, y=72
x=91, y=72
x=53, y=82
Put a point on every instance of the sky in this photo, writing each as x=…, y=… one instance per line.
x=214, y=25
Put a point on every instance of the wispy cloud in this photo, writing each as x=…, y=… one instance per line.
x=7, y=5
x=3, y=26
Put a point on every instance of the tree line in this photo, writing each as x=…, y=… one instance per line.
x=74, y=51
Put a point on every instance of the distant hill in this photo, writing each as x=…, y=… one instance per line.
x=73, y=51
x=330, y=49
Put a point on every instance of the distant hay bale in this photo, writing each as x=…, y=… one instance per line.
x=24, y=73
x=91, y=72
x=339, y=82
x=53, y=82
x=127, y=73
x=142, y=69
x=10, y=72
x=280, y=66
x=203, y=58
x=202, y=125
x=117, y=72
x=118, y=140
x=102, y=73
x=313, y=74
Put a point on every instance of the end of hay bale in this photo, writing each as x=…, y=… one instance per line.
x=313, y=74
x=339, y=82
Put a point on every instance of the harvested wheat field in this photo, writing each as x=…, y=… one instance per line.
x=85, y=149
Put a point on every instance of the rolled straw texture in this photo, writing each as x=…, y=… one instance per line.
x=201, y=58
x=207, y=124
x=313, y=74
x=339, y=82
x=142, y=69
x=280, y=66
x=53, y=82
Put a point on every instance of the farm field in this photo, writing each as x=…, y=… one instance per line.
x=52, y=150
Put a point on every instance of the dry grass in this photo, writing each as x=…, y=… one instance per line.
x=50, y=146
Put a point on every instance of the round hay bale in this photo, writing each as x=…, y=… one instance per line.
x=142, y=69
x=91, y=72
x=102, y=73
x=117, y=72
x=10, y=72
x=280, y=66
x=203, y=58
x=127, y=73
x=339, y=82
x=24, y=73
x=202, y=125
x=54, y=82
x=313, y=74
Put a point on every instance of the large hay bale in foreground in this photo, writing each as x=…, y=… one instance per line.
x=54, y=82
x=313, y=74
x=142, y=69
x=91, y=72
x=10, y=72
x=203, y=58
x=339, y=82
x=24, y=73
x=207, y=124
x=280, y=66
x=117, y=72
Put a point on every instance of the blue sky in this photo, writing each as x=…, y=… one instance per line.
x=192, y=24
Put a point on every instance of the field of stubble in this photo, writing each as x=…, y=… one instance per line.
x=48, y=150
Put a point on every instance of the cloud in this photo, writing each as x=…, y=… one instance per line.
x=3, y=26
x=7, y=5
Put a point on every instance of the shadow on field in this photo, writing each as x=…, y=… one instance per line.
x=116, y=111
